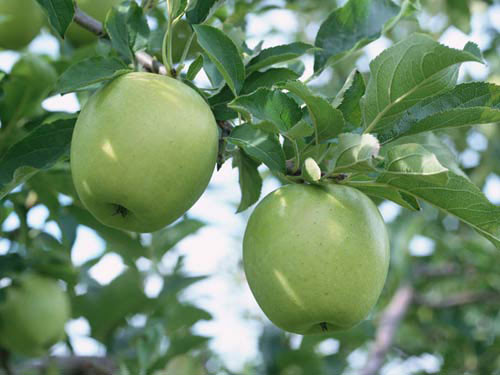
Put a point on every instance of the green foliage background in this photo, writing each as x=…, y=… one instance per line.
x=455, y=292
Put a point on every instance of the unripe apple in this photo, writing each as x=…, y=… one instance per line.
x=33, y=315
x=97, y=9
x=143, y=151
x=316, y=257
x=20, y=22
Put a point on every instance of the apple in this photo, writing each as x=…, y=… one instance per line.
x=33, y=315
x=97, y=9
x=143, y=151
x=20, y=22
x=316, y=257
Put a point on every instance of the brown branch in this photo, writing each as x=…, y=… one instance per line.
x=388, y=324
x=460, y=299
x=94, y=26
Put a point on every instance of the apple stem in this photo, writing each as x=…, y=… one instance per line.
x=324, y=326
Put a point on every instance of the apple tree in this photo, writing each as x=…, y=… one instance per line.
x=173, y=92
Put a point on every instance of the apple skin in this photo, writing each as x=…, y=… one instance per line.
x=146, y=143
x=97, y=9
x=20, y=22
x=316, y=257
x=33, y=315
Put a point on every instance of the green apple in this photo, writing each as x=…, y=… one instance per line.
x=316, y=257
x=97, y=9
x=143, y=151
x=33, y=315
x=20, y=22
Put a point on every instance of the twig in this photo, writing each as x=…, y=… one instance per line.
x=389, y=322
x=94, y=26
x=460, y=299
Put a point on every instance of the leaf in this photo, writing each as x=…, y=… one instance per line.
x=60, y=13
x=221, y=50
x=408, y=72
x=269, y=109
x=27, y=85
x=458, y=197
x=413, y=159
x=328, y=122
x=300, y=130
x=278, y=54
x=106, y=307
x=392, y=194
x=86, y=73
x=253, y=82
x=354, y=152
x=167, y=238
x=267, y=79
x=195, y=68
x=201, y=11
x=178, y=8
x=348, y=100
x=41, y=149
x=128, y=29
x=467, y=104
x=261, y=146
x=249, y=179
x=351, y=27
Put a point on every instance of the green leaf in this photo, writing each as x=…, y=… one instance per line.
x=128, y=29
x=86, y=73
x=60, y=13
x=351, y=27
x=414, y=160
x=106, y=307
x=41, y=149
x=354, y=152
x=223, y=53
x=178, y=8
x=249, y=179
x=467, y=104
x=300, y=130
x=269, y=109
x=408, y=72
x=195, y=68
x=458, y=197
x=167, y=238
x=27, y=85
x=328, y=122
x=261, y=146
x=390, y=193
x=278, y=54
x=348, y=100
x=253, y=82
x=267, y=79
x=201, y=10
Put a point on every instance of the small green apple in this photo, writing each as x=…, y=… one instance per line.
x=33, y=315
x=143, y=151
x=20, y=22
x=316, y=257
x=97, y=9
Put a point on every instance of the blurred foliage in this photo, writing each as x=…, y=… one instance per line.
x=453, y=317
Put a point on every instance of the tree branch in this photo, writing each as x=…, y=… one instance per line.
x=459, y=299
x=75, y=365
x=389, y=322
x=94, y=26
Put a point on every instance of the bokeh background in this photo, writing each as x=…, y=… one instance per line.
x=452, y=324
